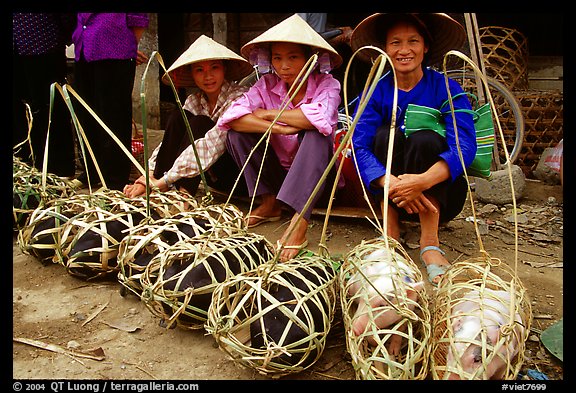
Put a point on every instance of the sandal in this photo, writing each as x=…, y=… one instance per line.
x=261, y=220
x=298, y=247
x=432, y=269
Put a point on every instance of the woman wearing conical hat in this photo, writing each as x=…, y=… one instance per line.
x=301, y=143
x=426, y=182
x=212, y=69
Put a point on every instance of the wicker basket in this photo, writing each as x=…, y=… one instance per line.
x=275, y=319
x=544, y=125
x=505, y=53
x=148, y=239
x=368, y=269
x=28, y=193
x=178, y=283
x=465, y=300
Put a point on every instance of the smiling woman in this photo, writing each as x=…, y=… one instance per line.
x=212, y=69
x=426, y=179
x=301, y=126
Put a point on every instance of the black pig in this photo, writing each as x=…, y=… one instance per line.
x=275, y=321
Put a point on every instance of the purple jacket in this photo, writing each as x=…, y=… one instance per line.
x=104, y=36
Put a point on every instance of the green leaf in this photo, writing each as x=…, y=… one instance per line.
x=552, y=338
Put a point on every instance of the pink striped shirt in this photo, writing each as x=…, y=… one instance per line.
x=319, y=105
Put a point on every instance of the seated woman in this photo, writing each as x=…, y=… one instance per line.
x=426, y=178
x=212, y=68
x=301, y=142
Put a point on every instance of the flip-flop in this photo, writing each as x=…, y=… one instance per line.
x=76, y=184
x=261, y=220
x=292, y=247
x=432, y=269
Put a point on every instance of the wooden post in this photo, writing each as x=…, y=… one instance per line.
x=220, y=28
x=475, y=50
x=478, y=57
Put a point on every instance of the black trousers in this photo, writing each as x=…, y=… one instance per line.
x=417, y=154
x=106, y=86
x=220, y=176
x=31, y=80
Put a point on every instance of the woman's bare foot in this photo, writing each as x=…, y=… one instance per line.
x=296, y=240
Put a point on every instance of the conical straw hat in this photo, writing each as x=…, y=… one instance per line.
x=205, y=48
x=445, y=34
x=296, y=30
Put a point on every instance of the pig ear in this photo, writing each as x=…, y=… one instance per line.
x=493, y=334
x=456, y=324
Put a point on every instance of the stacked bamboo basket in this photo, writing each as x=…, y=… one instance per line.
x=506, y=55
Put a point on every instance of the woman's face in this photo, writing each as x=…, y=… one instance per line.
x=406, y=47
x=209, y=75
x=288, y=59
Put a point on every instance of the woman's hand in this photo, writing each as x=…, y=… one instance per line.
x=139, y=186
x=264, y=114
x=407, y=192
x=141, y=58
x=134, y=190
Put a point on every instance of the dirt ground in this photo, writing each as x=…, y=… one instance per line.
x=52, y=307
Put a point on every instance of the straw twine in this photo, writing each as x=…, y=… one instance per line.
x=286, y=308
x=372, y=360
x=178, y=282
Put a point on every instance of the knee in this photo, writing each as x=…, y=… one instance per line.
x=233, y=137
x=427, y=140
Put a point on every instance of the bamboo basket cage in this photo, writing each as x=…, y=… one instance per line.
x=178, y=283
x=41, y=237
x=95, y=238
x=90, y=239
x=370, y=349
x=544, y=125
x=407, y=335
x=275, y=319
x=150, y=238
x=29, y=194
x=505, y=55
x=481, y=314
x=480, y=275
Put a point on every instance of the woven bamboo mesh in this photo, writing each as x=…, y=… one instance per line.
x=90, y=240
x=28, y=192
x=148, y=239
x=482, y=317
x=275, y=319
x=178, y=282
x=42, y=237
x=168, y=203
x=544, y=124
x=505, y=53
x=385, y=312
